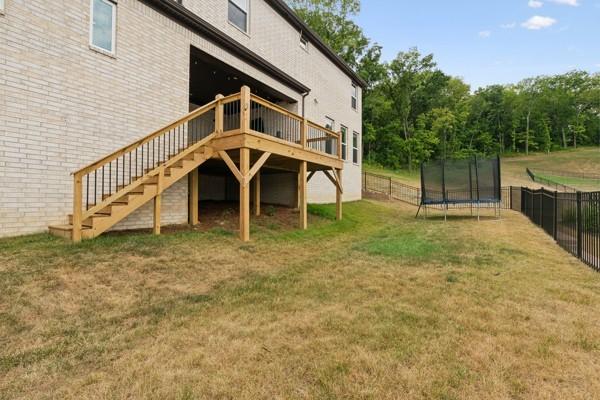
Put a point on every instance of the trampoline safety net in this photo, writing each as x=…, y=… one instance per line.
x=461, y=181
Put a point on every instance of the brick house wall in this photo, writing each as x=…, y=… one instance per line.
x=64, y=105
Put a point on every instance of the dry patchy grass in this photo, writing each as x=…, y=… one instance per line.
x=378, y=306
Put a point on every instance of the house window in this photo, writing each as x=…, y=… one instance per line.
x=103, y=26
x=303, y=41
x=329, y=123
x=354, y=97
x=344, y=142
x=1, y=6
x=238, y=14
x=355, y=148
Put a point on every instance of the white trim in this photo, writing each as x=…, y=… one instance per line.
x=113, y=46
x=344, y=142
x=357, y=148
x=354, y=97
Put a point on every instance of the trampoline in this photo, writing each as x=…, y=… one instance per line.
x=474, y=182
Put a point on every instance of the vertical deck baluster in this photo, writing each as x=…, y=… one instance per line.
x=87, y=191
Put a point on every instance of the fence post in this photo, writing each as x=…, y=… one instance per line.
x=390, y=178
x=555, y=217
x=579, y=227
x=542, y=194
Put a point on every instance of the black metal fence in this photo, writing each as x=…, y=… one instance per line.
x=572, y=219
x=569, y=174
x=549, y=182
x=395, y=190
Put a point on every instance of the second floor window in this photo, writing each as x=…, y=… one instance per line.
x=344, y=142
x=103, y=25
x=238, y=14
x=354, y=97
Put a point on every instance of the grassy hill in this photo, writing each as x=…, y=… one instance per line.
x=513, y=168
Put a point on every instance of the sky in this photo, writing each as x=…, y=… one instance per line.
x=489, y=41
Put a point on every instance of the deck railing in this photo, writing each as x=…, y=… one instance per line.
x=98, y=184
x=275, y=121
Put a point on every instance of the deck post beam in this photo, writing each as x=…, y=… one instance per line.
x=219, y=114
x=244, y=195
x=302, y=195
x=158, y=202
x=157, y=206
x=338, y=195
x=193, y=206
x=245, y=100
x=256, y=201
x=77, y=208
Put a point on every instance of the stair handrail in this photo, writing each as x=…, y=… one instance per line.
x=140, y=142
x=79, y=214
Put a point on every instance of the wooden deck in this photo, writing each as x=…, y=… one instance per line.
x=244, y=131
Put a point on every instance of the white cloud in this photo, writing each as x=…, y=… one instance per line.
x=572, y=3
x=537, y=22
x=598, y=65
x=485, y=34
x=535, y=3
x=512, y=25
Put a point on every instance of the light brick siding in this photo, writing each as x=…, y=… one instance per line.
x=63, y=105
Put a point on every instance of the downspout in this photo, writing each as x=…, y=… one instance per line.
x=304, y=103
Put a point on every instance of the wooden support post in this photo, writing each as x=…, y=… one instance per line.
x=302, y=195
x=193, y=206
x=338, y=196
x=157, y=202
x=256, y=181
x=303, y=131
x=157, y=205
x=244, y=195
x=219, y=114
x=245, y=109
x=77, y=208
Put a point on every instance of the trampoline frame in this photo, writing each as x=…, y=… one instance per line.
x=478, y=201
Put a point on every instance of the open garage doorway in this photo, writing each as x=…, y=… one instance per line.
x=218, y=189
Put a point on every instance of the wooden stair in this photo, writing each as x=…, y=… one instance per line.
x=114, y=208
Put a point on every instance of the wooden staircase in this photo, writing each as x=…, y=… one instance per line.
x=106, y=191
x=172, y=153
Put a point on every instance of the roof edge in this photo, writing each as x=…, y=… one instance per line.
x=192, y=21
x=290, y=15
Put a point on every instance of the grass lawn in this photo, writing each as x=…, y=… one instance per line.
x=378, y=306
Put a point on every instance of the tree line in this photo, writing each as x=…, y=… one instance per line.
x=414, y=112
